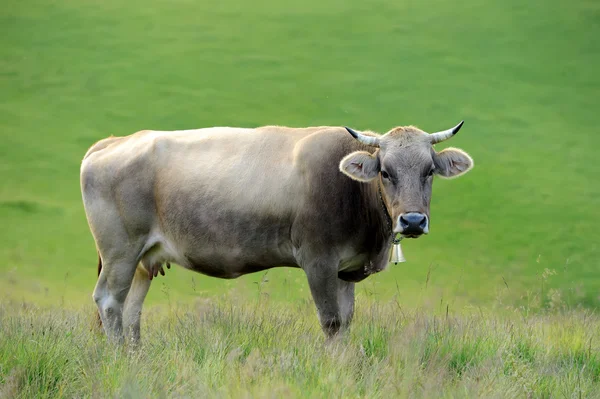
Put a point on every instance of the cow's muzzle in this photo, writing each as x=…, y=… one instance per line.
x=413, y=224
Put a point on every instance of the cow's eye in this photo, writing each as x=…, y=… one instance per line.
x=430, y=172
x=384, y=174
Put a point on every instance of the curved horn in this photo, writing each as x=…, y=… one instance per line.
x=438, y=137
x=368, y=140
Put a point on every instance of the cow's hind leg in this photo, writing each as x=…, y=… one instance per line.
x=134, y=302
x=111, y=291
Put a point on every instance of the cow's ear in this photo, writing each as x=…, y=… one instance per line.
x=360, y=165
x=452, y=162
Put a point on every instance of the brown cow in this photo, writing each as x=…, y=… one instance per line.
x=230, y=201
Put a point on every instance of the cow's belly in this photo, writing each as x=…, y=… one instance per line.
x=214, y=259
x=234, y=261
x=228, y=245
x=229, y=269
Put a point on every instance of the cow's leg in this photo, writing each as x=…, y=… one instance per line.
x=111, y=291
x=133, y=304
x=346, y=301
x=324, y=286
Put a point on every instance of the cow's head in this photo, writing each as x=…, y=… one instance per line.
x=405, y=163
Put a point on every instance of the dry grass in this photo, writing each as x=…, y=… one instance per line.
x=234, y=349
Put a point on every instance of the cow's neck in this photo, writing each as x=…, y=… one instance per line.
x=386, y=213
x=388, y=227
x=387, y=216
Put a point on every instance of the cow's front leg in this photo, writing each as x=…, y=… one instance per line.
x=346, y=301
x=324, y=286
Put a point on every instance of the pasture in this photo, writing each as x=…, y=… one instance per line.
x=512, y=257
x=250, y=348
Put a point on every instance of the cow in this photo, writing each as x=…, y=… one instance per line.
x=226, y=202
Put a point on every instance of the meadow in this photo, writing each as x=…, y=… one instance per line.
x=241, y=348
x=513, y=250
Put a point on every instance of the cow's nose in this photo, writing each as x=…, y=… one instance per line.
x=413, y=224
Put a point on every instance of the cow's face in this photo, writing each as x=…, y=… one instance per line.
x=404, y=165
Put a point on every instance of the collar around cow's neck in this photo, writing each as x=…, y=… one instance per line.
x=396, y=238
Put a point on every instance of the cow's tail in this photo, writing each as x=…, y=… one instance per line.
x=98, y=319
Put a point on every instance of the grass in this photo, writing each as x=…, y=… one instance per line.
x=263, y=348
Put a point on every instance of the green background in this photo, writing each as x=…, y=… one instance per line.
x=523, y=76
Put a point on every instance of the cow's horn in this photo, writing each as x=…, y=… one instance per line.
x=438, y=137
x=368, y=140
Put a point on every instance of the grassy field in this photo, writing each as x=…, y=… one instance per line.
x=241, y=348
x=523, y=76
x=520, y=230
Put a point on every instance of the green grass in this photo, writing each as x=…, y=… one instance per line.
x=233, y=348
x=523, y=76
